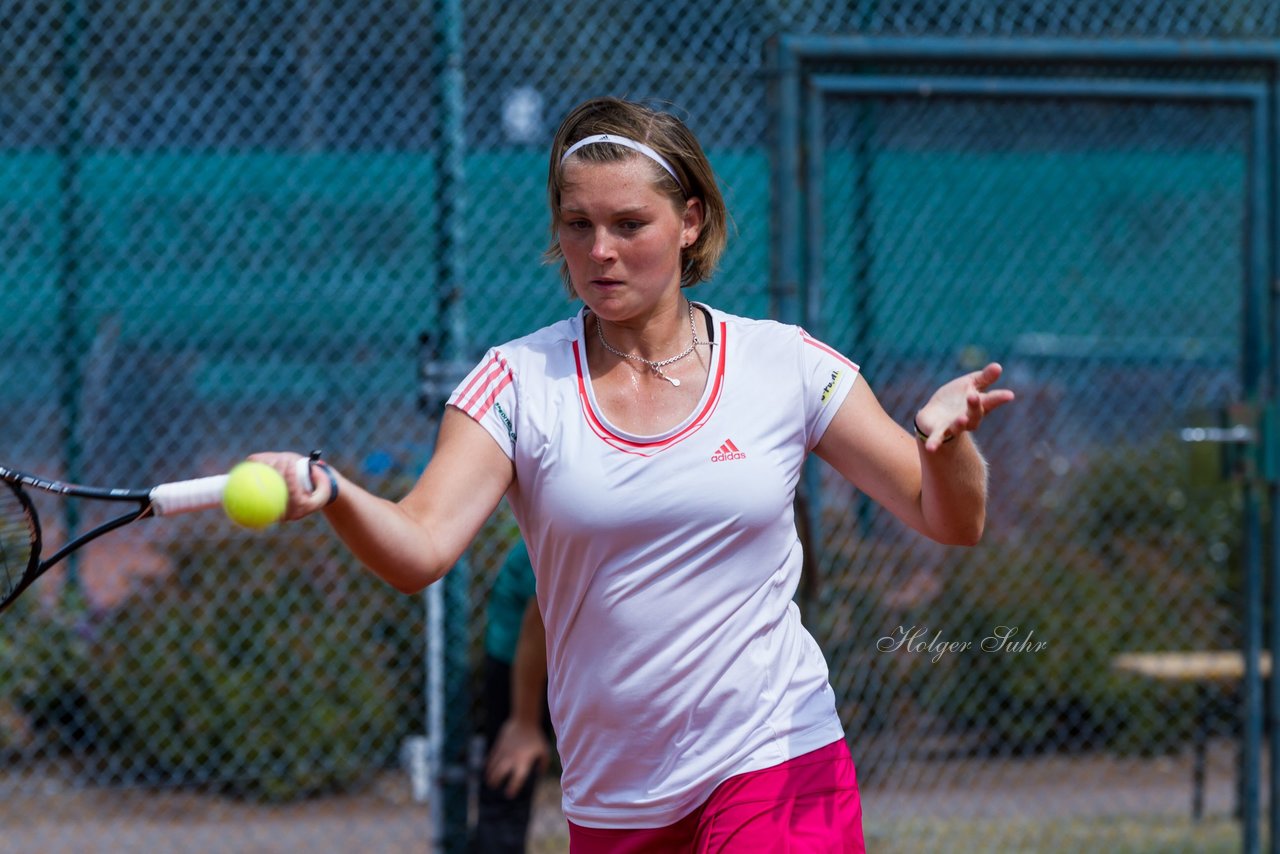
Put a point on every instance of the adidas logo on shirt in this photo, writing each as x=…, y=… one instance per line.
x=727, y=451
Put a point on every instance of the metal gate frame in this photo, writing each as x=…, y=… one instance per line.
x=809, y=70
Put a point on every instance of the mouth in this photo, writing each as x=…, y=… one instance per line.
x=605, y=283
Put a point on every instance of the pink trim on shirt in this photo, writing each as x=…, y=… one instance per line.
x=642, y=448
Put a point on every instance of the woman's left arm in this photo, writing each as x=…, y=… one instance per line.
x=937, y=486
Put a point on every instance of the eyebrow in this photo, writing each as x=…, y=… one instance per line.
x=635, y=209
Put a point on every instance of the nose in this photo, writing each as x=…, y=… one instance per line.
x=601, y=246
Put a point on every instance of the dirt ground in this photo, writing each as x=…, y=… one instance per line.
x=46, y=811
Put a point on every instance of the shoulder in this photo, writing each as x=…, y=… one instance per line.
x=762, y=327
x=549, y=349
x=549, y=337
x=506, y=373
x=757, y=336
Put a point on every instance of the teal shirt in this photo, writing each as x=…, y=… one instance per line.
x=512, y=590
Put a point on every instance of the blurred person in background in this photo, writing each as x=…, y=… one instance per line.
x=518, y=749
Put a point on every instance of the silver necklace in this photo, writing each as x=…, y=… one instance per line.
x=656, y=367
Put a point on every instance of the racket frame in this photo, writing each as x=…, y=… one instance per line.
x=18, y=482
x=144, y=499
x=165, y=499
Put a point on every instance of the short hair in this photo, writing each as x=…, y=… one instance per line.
x=671, y=138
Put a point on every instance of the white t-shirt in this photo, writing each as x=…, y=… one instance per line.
x=666, y=565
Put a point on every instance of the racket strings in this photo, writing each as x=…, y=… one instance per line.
x=17, y=535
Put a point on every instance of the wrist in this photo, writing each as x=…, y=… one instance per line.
x=924, y=437
x=526, y=711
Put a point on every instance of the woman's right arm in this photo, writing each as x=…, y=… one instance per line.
x=414, y=542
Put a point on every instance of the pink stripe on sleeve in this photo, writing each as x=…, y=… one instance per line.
x=486, y=384
x=813, y=342
x=505, y=380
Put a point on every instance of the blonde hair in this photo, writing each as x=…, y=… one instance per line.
x=669, y=137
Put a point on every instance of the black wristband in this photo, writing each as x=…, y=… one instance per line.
x=316, y=462
x=923, y=436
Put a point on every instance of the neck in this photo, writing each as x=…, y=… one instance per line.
x=659, y=336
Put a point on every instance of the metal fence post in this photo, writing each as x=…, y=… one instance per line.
x=71, y=283
x=452, y=600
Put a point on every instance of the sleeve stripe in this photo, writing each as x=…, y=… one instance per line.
x=492, y=374
x=486, y=383
x=813, y=342
x=506, y=380
x=476, y=376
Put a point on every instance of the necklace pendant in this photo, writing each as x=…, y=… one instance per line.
x=675, y=382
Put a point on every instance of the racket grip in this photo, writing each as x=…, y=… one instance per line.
x=188, y=496
x=304, y=475
x=205, y=493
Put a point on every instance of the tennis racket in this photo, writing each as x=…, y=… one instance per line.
x=21, y=542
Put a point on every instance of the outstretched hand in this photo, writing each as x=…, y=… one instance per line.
x=960, y=406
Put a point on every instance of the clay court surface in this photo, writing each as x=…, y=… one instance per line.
x=48, y=812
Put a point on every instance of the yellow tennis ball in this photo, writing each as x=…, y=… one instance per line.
x=255, y=495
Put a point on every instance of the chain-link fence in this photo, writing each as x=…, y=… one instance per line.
x=228, y=227
x=1089, y=227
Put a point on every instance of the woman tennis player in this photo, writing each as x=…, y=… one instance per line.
x=650, y=448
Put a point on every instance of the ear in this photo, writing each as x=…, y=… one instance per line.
x=691, y=222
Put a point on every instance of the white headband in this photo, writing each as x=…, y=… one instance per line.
x=625, y=143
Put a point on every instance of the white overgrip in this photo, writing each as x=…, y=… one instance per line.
x=188, y=496
x=205, y=493
x=304, y=475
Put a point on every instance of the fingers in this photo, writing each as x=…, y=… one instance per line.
x=494, y=773
x=515, y=781
x=505, y=769
x=511, y=770
x=988, y=375
x=979, y=399
x=996, y=399
x=960, y=405
x=516, y=754
x=302, y=501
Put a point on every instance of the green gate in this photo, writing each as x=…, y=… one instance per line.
x=1099, y=216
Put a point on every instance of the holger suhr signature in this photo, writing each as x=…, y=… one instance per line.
x=916, y=639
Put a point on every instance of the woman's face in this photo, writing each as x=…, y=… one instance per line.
x=621, y=237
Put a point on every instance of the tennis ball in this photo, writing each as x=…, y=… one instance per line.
x=255, y=495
